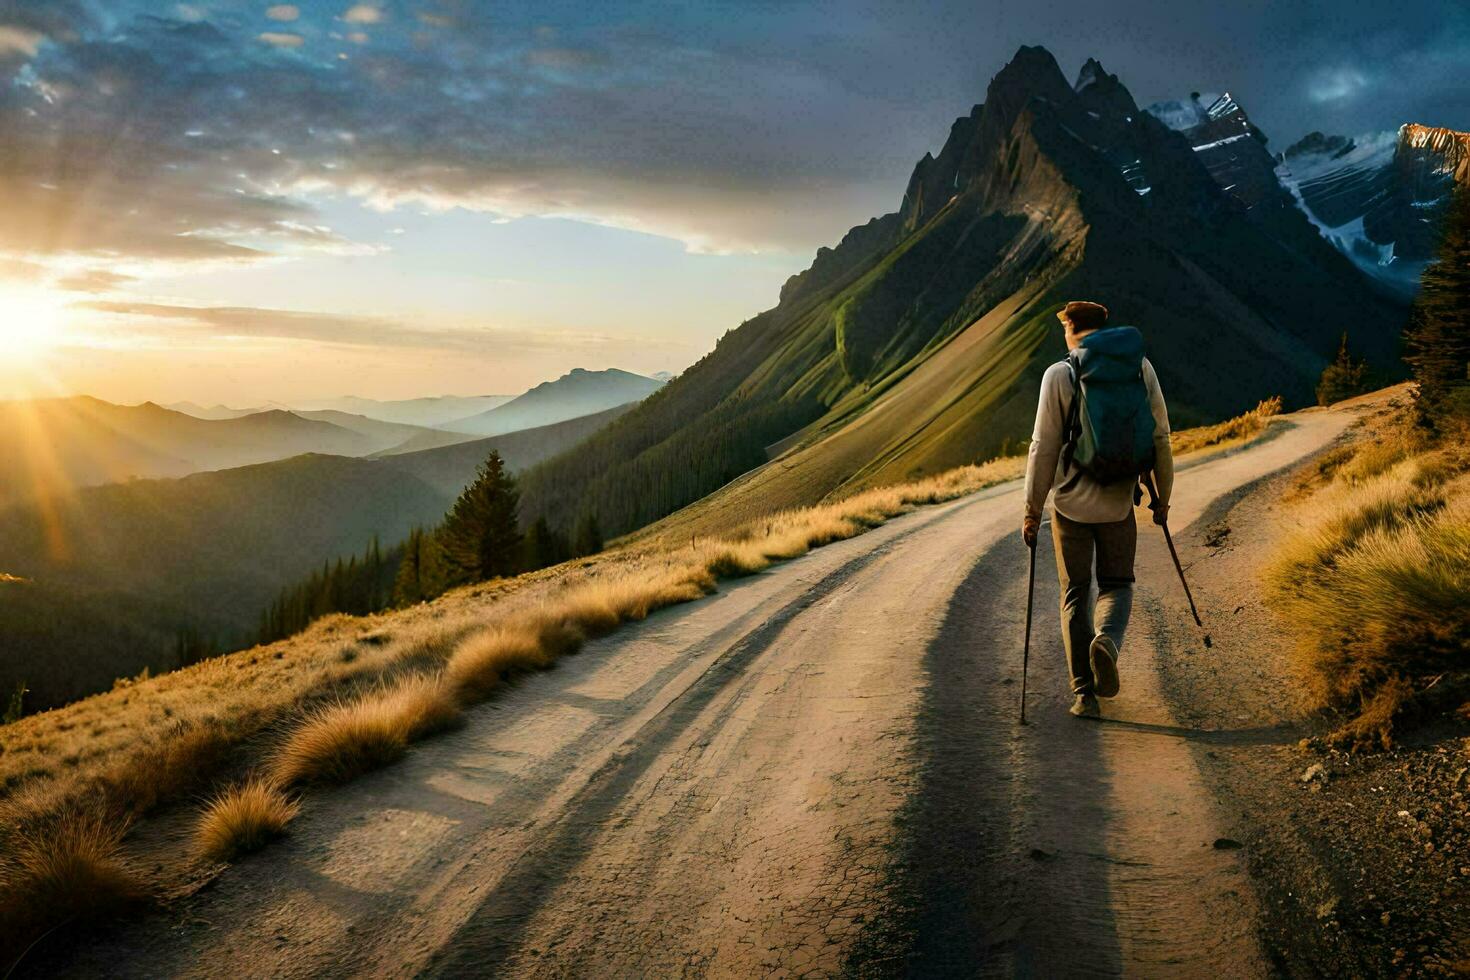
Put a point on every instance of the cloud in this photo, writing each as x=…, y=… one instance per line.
x=1336, y=84
x=19, y=40
x=93, y=281
x=226, y=151
x=171, y=320
x=363, y=13
x=283, y=12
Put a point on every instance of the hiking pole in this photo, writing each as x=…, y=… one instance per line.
x=1169, y=540
x=1026, y=650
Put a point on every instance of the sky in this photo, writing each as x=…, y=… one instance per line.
x=242, y=203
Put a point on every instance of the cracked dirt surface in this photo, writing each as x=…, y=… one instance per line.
x=816, y=771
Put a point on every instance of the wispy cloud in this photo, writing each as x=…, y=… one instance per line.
x=224, y=322
x=283, y=12
x=282, y=39
x=19, y=40
x=363, y=13
x=1337, y=84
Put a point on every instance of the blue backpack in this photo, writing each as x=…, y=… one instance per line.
x=1109, y=433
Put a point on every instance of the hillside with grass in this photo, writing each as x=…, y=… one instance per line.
x=915, y=343
x=150, y=574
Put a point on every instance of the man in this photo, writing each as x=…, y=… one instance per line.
x=1091, y=519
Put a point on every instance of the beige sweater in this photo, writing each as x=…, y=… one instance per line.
x=1079, y=496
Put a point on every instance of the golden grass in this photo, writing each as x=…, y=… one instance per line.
x=485, y=661
x=342, y=740
x=1376, y=580
x=1232, y=431
x=243, y=818
x=58, y=866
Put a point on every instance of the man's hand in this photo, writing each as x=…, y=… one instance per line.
x=1029, y=527
x=1161, y=513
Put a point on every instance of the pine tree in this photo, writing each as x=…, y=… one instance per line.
x=1437, y=339
x=587, y=538
x=479, y=535
x=544, y=546
x=408, y=587
x=1343, y=378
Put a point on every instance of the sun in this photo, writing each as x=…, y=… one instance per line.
x=30, y=320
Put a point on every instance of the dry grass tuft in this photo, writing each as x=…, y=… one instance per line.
x=342, y=740
x=1376, y=579
x=242, y=819
x=60, y=866
x=1235, y=430
x=486, y=660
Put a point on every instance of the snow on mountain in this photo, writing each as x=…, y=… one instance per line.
x=1379, y=198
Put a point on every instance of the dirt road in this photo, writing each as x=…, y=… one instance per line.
x=816, y=771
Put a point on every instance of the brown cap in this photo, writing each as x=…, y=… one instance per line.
x=1086, y=316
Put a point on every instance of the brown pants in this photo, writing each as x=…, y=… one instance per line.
x=1077, y=544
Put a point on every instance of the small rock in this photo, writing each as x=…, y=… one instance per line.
x=1315, y=771
x=1037, y=854
x=1384, y=918
x=1327, y=909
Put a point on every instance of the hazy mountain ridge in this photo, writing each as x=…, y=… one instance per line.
x=54, y=445
x=578, y=392
x=915, y=344
x=431, y=411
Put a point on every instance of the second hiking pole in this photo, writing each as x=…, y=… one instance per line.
x=1026, y=651
x=1169, y=540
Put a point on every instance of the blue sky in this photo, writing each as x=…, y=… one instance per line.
x=242, y=202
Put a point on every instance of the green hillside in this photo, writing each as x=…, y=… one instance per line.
x=124, y=571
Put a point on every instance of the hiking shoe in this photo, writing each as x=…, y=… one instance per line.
x=1104, y=657
x=1086, y=707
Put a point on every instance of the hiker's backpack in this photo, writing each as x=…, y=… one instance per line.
x=1109, y=433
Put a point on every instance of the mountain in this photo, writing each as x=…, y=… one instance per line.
x=430, y=412
x=1380, y=198
x=120, y=571
x=449, y=469
x=918, y=341
x=1229, y=145
x=577, y=393
x=52, y=445
x=380, y=435
x=213, y=413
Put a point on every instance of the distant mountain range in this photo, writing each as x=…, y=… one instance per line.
x=917, y=342
x=579, y=392
x=53, y=445
x=430, y=413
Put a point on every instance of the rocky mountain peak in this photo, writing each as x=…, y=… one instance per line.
x=1092, y=72
x=1449, y=149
